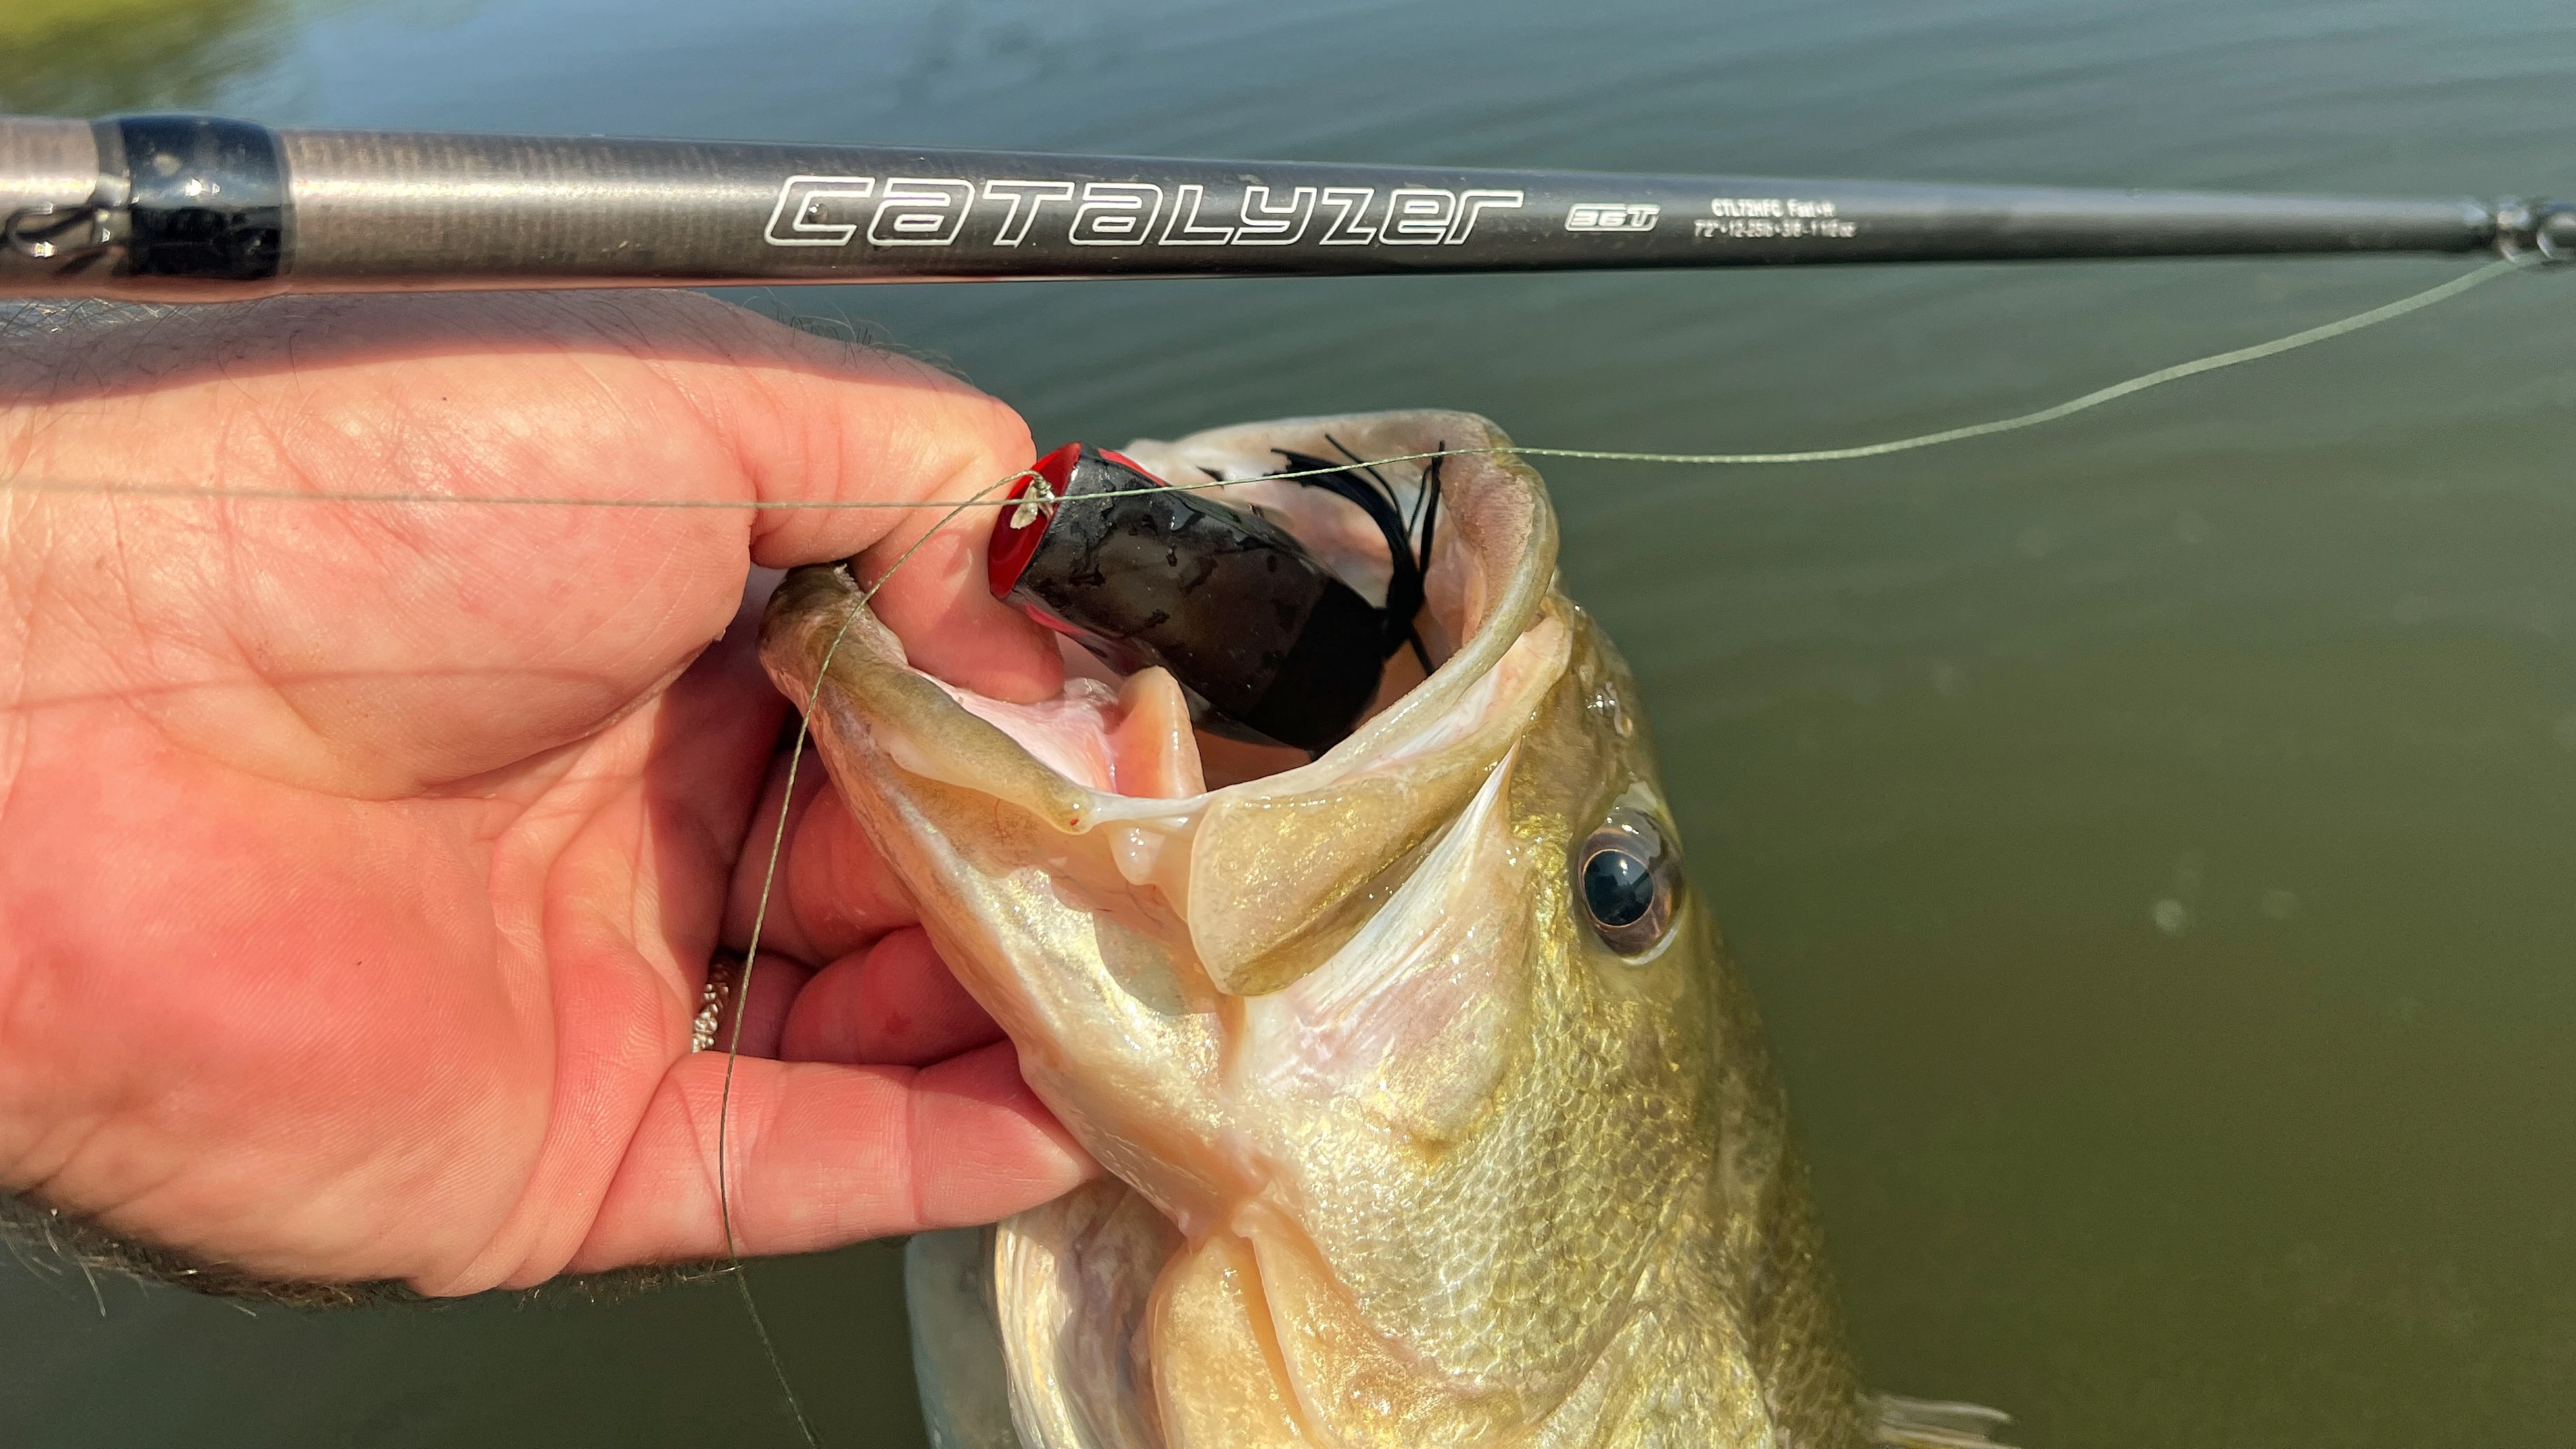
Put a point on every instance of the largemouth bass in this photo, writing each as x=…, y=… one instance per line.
x=1434, y=1110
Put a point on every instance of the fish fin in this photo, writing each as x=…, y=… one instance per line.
x=1072, y=1281
x=1932, y=1424
x=956, y=1344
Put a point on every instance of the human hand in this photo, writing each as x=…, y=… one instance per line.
x=363, y=863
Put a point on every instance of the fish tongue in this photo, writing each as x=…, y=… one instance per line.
x=1137, y=742
x=1152, y=749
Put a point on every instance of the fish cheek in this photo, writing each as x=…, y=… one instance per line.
x=1412, y=1023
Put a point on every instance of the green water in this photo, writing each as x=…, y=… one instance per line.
x=2149, y=836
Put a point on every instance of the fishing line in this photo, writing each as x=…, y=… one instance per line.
x=751, y=952
x=2234, y=357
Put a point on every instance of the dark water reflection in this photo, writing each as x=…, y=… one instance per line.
x=2149, y=836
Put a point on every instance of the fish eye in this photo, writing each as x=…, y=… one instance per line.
x=1617, y=887
x=1626, y=877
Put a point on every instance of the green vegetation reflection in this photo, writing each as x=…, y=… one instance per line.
x=93, y=57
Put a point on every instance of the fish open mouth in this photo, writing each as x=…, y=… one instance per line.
x=1149, y=800
x=1140, y=730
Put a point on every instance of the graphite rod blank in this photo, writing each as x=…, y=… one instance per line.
x=197, y=208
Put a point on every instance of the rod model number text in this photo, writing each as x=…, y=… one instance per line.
x=1756, y=218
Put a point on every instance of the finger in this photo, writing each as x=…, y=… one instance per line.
x=930, y=584
x=417, y=646
x=830, y=893
x=894, y=1003
x=814, y=420
x=879, y=427
x=819, y=1155
x=701, y=768
x=759, y=999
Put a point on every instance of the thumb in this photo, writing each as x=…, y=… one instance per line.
x=818, y=420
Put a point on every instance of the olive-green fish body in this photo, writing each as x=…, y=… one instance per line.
x=1436, y=1112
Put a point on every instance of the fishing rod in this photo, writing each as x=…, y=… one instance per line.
x=198, y=208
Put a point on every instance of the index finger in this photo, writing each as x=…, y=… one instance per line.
x=818, y=420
